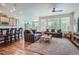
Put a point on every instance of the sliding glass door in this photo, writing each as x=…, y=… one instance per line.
x=65, y=24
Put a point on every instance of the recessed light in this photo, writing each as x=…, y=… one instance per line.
x=11, y=11
x=0, y=11
x=3, y=4
x=14, y=9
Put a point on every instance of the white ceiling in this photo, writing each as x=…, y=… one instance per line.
x=24, y=9
x=31, y=10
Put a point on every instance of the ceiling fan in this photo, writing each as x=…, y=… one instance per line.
x=56, y=10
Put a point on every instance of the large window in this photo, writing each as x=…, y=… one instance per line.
x=75, y=25
x=33, y=24
x=43, y=25
x=59, y=23
x=65, y=23
x=54, y=23
x=62, y=23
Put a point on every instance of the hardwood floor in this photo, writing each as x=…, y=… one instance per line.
x=16, y=48
x=56, y=46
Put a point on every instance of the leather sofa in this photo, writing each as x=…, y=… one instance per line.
x=30, y=36
x=57, y=34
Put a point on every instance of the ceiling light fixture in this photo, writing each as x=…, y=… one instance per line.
x=14, y=9
x=11, y=11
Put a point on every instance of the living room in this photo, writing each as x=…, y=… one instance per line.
x=47, y=28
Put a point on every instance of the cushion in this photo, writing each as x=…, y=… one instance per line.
x=52, y=30
x=33, y=31
x=59, y=31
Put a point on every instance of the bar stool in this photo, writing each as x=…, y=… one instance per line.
x=16, y=33
x=20, y=30
x=19, y=33
x=4, y=35
x=12, y=34
x=1, y=38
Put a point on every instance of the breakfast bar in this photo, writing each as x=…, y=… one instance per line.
x=9, y=34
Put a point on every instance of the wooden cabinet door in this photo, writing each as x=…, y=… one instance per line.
x=13, y=21
x=4, y=19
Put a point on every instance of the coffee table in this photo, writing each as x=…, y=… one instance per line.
x=45, y=38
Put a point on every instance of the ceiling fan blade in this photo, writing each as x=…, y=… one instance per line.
x=57, y=10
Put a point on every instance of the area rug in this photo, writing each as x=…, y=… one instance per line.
x=57, y=46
